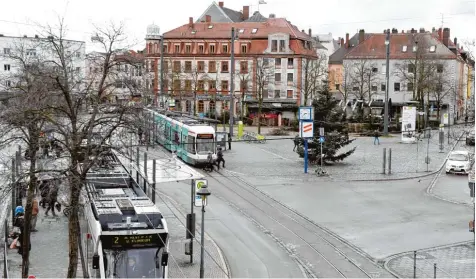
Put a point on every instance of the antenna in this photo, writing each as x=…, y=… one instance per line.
x=442, y=20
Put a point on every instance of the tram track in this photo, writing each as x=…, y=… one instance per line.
x=319, y=253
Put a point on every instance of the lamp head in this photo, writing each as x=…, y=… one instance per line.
x=203, y=192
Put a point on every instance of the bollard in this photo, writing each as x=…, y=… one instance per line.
x=434, y=270
x=389, y=160
x=414, y=264
x=384, y=159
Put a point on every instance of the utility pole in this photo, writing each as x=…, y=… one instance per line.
x=161, y=69
x=232, y=80
x=387, y=77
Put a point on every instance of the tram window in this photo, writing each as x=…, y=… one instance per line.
x=176, y=138
x=191, y=144
x=205, y=143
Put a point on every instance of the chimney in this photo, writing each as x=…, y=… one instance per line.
x=272, y=15
x=220, y=4
x=341, y=42
x=455, y=41
x=422, y=30
x=394, y=31
x=440, y=34
x=361, y=35
x=190, y=22
x=446, y=36
x=413, y=31
x=433, y=30
x=346, y=40
x=403, y=31
x=246, y=12
x=310, y=32
x=24, y=36
x=302, y=30
x=36, y=37
x=208, y=18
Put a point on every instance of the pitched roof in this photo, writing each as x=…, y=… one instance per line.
x=222, y=30
x=224, y=14
x=338, y=56
x=374, y=47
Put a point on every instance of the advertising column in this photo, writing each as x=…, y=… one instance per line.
x=408, y=124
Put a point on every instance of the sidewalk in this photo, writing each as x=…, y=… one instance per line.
x=49, y=249
x=456, y=261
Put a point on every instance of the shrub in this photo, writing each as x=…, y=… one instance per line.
x=279, y=132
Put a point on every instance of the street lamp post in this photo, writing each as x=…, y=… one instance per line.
x=203, y=193
x=232, y=81
x=161, y=70
x=387, y=77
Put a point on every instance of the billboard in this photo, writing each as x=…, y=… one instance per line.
x=408, y=124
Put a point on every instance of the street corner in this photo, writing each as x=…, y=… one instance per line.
x=455, y=261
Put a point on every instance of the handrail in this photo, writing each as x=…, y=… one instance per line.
x=5, y=251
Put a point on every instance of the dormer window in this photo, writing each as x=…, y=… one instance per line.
x=432, y=48
x=210, y=26
x=241, y=31
x=404, y=48
x=244, y=48
x=415, y=48
x=254, y=30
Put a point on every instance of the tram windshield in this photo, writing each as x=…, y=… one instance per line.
x=133, y=263
x=205, y=143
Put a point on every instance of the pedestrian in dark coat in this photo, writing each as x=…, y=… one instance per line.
x=52, y=199
x=229, y=141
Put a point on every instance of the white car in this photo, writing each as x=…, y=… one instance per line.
x=459, y=162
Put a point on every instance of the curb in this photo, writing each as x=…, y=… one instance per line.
x=224, y=262
x=416, y=176
x=429, y=189
x=389, y=258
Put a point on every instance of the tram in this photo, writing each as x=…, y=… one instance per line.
x=191, y=139
x=123, y=233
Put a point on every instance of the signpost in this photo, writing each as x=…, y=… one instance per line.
x=198, y=184
x=408, y=124
x=306, y=129
x=321, y=140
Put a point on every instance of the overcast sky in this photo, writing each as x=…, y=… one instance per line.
x=331, y=16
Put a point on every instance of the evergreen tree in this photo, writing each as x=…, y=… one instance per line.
x=327, y=115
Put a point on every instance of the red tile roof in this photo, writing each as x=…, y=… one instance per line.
x=374, y=47
x=223, y=30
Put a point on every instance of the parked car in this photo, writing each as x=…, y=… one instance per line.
x=470, y=138
x=459, y=162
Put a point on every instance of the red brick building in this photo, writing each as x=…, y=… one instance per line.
x=197, y=65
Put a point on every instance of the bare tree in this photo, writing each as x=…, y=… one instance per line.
x=346, y=87
x=76, y=128
x=441, y=89
x=198, y=78
x=244, y=77
x=419, y=71
x=263, y=76
x=313, y=71
x=362, y=77
x=25, y=117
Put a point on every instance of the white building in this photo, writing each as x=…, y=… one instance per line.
x=34, y=49
x=436, y=48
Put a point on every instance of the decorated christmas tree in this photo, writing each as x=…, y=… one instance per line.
x=327, y=115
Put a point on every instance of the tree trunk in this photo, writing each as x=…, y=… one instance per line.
x=73, y=221
x=438, y=111
x=260, y=104
x=33, y=144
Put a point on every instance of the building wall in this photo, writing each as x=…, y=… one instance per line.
x=336, y=76
x=35, y=49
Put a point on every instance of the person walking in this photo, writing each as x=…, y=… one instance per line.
x=52, y=199
x=210, y=162
x=44, y=190
x=34, y=215
x=376, y=137
x=229, y=141
x=20, y=224
x=139, y=133
x=296, y=142
x=220, y=158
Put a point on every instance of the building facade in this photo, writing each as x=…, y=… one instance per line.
x=440, y=67
x=197, y=67
x=33, y=50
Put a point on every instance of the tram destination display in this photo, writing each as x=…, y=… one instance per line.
x=132, y=241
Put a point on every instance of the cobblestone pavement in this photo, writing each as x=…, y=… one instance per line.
x=455, y=261
x=49, y=249
x=364, y=164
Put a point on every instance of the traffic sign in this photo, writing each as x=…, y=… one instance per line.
x=198, y=184
x=321, y=139
x=321, y=131
x=306, y=129
x=306, y=114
